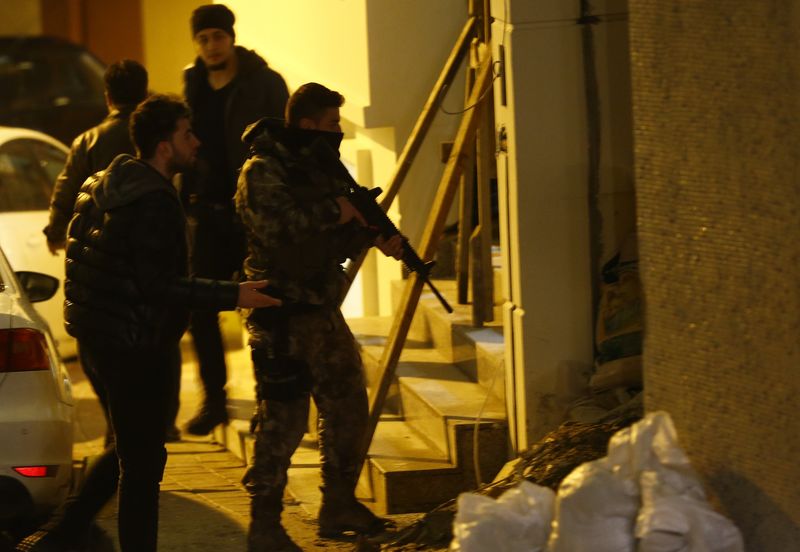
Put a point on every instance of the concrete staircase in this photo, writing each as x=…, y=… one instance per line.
x=448, y=393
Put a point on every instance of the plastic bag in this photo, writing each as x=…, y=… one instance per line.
x=518, y=521
x=645, y=489
x=595, y=511
x=685, y=524
x=676, y=517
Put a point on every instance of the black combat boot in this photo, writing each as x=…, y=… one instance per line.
x=266, y=534
x=209, y=417
x=341, y=514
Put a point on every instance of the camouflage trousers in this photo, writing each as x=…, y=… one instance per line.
x=323, y=363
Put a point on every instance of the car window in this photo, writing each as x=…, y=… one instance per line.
x=5, y=273
x=42, y=76
x=50, y=85
x=27, y=174
x=51, y=159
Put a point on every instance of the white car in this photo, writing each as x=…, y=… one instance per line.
x=36, y=402
x=29, y=164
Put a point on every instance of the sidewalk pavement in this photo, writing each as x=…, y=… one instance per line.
x=203, y=506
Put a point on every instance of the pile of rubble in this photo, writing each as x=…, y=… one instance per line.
x=546, y=463
x=610, y=401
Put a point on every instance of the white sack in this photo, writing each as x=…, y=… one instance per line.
x=645, y=489
x=595, y=511
x=518, y=521
x=676, y=517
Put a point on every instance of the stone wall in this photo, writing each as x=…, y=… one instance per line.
x=717, y=133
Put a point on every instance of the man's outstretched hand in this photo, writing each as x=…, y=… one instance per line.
x=250, y=297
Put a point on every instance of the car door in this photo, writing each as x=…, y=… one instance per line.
x=28, y=169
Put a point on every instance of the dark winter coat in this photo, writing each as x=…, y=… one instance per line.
x=91, y=152
x=126, y=266
x=257, y=92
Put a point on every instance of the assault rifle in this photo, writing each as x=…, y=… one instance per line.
x=363, y=199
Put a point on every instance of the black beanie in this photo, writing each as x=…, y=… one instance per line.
x=213, y=16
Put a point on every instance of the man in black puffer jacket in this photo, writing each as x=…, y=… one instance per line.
x=92, y=151
x=127, y=302
x=227, y=87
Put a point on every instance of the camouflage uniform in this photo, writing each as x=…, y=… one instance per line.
x=286, y=200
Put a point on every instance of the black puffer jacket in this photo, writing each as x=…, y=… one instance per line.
x=126, y=267
x=92, y=151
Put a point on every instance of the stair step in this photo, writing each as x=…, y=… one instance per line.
x=234, y=436
x=397, y=457
x=479, y=350
x=403, y=473
x=440, y=329
x=448, y=331
x=439, y=394
x=371, y=330
x=407, y=475
x=488, y=366
x=412, y=363
x=436, y=388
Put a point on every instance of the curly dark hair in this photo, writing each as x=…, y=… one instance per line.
x=155, y=120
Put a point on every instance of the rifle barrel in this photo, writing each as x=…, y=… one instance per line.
x=438, y=295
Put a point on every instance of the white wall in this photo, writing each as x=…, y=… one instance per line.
x=546, y=228
x=311, y=40
x=167, y=42
x=617, y=198
x=384, y=57
x=410, y=42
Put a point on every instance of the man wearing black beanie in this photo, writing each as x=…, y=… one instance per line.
x=227, y=87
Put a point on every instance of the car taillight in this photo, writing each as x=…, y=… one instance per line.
x=36, y=471
x=23, y=350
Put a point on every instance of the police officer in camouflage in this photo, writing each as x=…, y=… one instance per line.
x=300, y=229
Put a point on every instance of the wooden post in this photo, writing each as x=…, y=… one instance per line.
x=483, y=277
x=487, y=21
x=467, y=198
x=444, y=198
x=421, y=127
x=465, y=204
